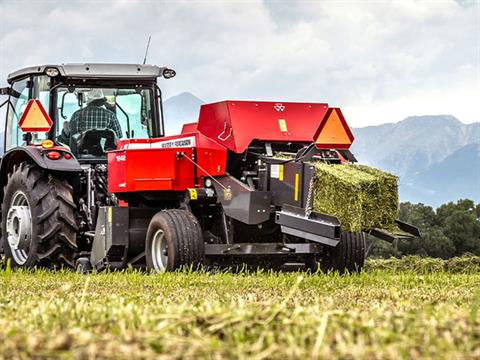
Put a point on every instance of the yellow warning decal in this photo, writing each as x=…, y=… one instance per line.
x=109, y=214
x=193, y=194
x=280, y=173
x=227, y=194
x=283, y=125
x=297, y=178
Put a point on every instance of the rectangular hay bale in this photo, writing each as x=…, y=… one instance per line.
x=361, y=197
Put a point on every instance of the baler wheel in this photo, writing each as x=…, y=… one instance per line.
x=347, y=256
x=39, y=226
x=174, y=240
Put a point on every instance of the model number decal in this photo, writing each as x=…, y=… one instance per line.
x=166, y=144
x=175, y=143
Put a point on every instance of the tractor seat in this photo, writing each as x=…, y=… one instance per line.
x=93, y=143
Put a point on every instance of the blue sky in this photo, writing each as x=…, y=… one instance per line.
x=379, y=60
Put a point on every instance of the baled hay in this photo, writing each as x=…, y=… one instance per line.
x=361, y=197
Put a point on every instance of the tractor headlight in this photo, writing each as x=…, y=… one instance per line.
x=52, y=72
x=168, y=73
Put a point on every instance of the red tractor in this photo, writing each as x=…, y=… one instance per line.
x=89, y=179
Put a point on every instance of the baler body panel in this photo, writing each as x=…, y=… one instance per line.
x=235, y=124
x=189, y=127
x=164, y=164
x=154, y=164
x=132, y=170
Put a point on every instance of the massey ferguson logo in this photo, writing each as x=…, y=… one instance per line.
x=279, y=107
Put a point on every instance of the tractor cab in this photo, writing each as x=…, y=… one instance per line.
x=61, y=120
x=92, y=106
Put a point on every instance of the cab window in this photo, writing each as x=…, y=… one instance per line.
x=134, y=113
x=91, y=119
x=19, y=97
x=41, y=91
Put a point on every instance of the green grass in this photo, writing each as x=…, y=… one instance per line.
x=395, y=309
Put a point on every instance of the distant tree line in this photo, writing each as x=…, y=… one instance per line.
x=452, y=230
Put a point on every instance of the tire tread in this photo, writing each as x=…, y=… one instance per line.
x=347, y=256
x=53, y=214
x=186, y=237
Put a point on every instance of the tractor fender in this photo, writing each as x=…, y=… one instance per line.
x=35, y=155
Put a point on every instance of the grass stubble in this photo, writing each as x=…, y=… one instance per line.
x=411, y=308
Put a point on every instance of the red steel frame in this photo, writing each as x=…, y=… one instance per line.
x=176, y=163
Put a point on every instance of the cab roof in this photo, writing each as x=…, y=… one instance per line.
x=94, y=71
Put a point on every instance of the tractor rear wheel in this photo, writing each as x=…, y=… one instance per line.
x=347, y=256
x=174, y=240
x=38, y=219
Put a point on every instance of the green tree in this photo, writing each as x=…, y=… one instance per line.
x=459, y=222
x=464, y=230
x=462, y=205
x=435, y=243
x=420, y=215
x=452, y=230
x=423, y=217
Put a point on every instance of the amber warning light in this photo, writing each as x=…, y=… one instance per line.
x=48, y=144
x=35, y=118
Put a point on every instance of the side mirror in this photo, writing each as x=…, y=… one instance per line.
x=5, y=91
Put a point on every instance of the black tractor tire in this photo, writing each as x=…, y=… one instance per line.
x=53, y=225
x=83, y=265
x=177, y=235
x=347, y=257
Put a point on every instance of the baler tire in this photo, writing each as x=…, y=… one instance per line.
x=182, y=235
x=53, y=225
x=348, y=256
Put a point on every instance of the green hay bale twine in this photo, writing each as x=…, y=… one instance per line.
x=361, y=197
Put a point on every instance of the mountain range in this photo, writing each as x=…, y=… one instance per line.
x=436, y=157
x=180, y=109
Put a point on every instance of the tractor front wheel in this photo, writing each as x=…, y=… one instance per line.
x=38, y=219
x=174, y=240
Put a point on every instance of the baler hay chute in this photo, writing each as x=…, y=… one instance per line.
x=262, y=183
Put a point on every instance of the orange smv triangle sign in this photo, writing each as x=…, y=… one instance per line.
x=35, y=118
x=333, y=132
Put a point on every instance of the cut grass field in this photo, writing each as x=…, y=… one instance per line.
x=410, y=308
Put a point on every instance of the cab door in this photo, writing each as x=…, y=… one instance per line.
x=21, y=91
x=19, y=96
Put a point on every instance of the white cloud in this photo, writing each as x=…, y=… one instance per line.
x=380, y=61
